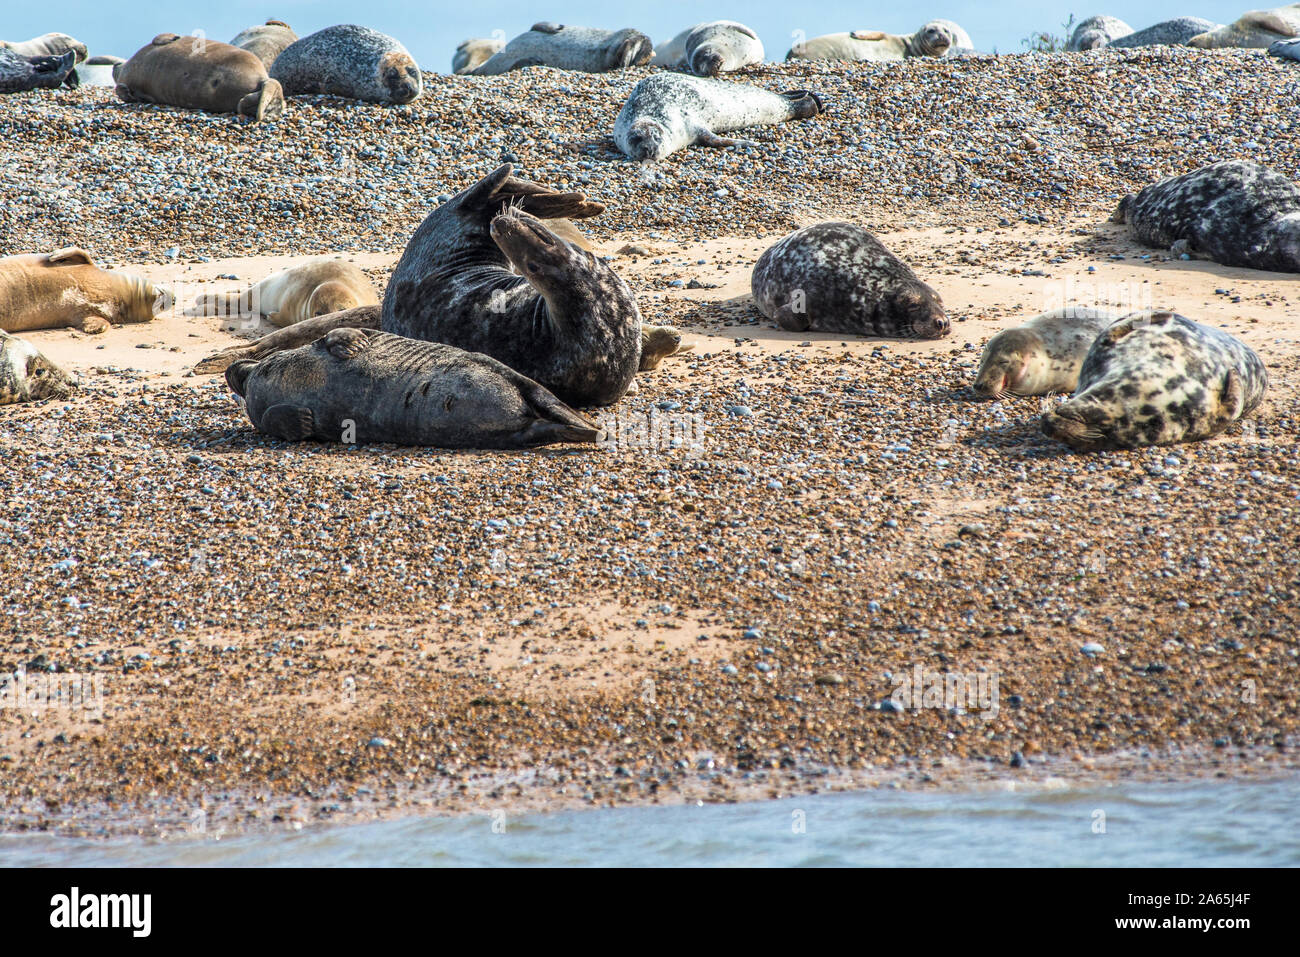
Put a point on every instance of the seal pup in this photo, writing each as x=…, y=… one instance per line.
x=199, y=74
x=1258, y=29
x=1156, y=378
x=350, y=61
x=496, y=280
x=1235, y=212
x=837, y=277
x=19, y=73
x=66, y=289
x=317, y=287
x=1042, y=356
x=1096, y=32
x=267, y=41
x=1175, y=32
x=98, y=71
x=50, y=44
x=707, y=49
x=474, y=52
x=934, y=39
x=584, y=49
x=363, y=386
x=667, y=112
x=27, y=376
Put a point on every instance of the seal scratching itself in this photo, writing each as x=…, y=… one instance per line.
x=583, y=49
x=708, y=49
x=19, y=73
x=837, y=277
x=313, y=288
x=266, y=42
x=1041, y=357
x=668, y=112
x=363, y=386
x=66, y=289
x=349, y=61
x=1235, y=212
x=200, y=74
x=27, y=376
x=1155, y=378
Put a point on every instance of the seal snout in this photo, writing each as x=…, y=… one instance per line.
x=237, y=375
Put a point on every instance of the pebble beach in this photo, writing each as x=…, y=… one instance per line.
x=289, y=634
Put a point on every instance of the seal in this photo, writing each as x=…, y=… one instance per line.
x=98, y=71
x=1235, y=212
x=667, y=112
x=1042, y=356
x=19, y=73
x=934, y=39
x=66, y=289
x=1097, y=32
x=1175, y=32
x=200, y=74
x=497, y=281
x=1258, y=29
x=362, y=386
x=837, y=277
x=350, y=61
x=707, y=49
x=657, y=343
x=266, y=42
x=1156, y=378
x=1286, y=49
x=27, y=376
x=584, y=49
x=50, y=44
x=317, y=287
x=475, y=52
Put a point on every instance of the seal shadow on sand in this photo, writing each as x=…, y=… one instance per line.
x=1115, y=238
x=244, y=438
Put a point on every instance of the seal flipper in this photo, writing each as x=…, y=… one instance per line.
x=868, y=34
x=92, y=325
x=499, y=187
x=546, y=26
x=1232, y=402
x=804, y=103
x=706, y=137
x=1121, y=211
x=69, y=256
x=291, y=422
x=790, y=320
x=347, y=343
x=291, y=337
x=267, y=103
x=1118, y=330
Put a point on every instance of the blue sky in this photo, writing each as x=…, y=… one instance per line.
x=431, y=31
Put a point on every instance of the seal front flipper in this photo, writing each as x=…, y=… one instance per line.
x=546, y=26
x=291, y=422
x=706, y=137
x=1232, y=402
x=868, y=34
x=70, y=256
x=1121, y=211
x=1138, y=320
x=92, y=325
x=347, y=343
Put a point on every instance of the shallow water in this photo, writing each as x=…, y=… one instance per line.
x=1215, y=823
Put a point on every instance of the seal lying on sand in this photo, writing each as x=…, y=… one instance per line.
x=585, y=49
x=1042, y=356
x=934, y=39
x=200, y=74
x=474, y=52
x=99, y=71
x=360, y=385
x=51, y=44
x=1154, y=378
x=837, y=277
x=1258, y=29
x=266, y=42
x=561, y=317
x=19, y=73
x=1236, y=213
x=708, y=49
x=66, y=289
x=313, y=288
x=351, y=61
x=1175, y=32
x=1096, y=32
x=667, y=112
x=27, y=376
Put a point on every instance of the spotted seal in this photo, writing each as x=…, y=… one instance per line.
x=707, y=49
x=317, y=287
x=1156, y=378
x=199, y=74
x=583, y=49
x=475, y=52
x=933, y=39
x=350, y=61
x=66, y=289
x=1096, y=32
x=667, y=112
x=27, y=376
x=19, y=73
x=267, y=41
x=484, y=273
x=1258, y=29
x=1235, y=212
x=1041, y=357
x=1175, y=32
x=364, y=386
x=837, y=277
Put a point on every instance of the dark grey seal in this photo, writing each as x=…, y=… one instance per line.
x=584, y=49
x=1235, y=212
x=1155, y=378
x=27, y=376
x=351, y=61
x=837, y=277
x=484, y=273
x=362, y=386
x=19, y=73
x=1175, y=32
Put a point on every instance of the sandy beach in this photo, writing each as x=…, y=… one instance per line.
x=304, y=633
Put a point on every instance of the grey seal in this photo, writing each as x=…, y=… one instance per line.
x=19, y=73
x=364, y=386
x=267, y=41
x=1258, y=29
x=1286, y=49
x=349, y=61
x=1175, y=32
x=199, y=74
x=583, y=49
x=707, y=49
x=837, y=277
x=50, y=44
x=1041, y=357
x=1096, y=32
x=1235, y=212
x=27, y=376
x=1156, y=378
x=934, y=39
x=474, y=52
x=667, y=112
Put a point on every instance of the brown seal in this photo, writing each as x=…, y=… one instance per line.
x=200, y=74
x=66, y=289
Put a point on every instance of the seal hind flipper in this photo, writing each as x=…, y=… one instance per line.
x=541, y=201
x=266, y=103
x=291, y=422
x=70, y=256
x=347, y=343
x=805, y=103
